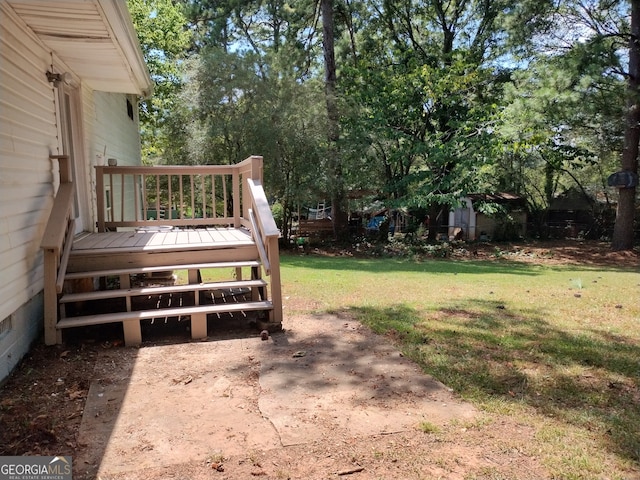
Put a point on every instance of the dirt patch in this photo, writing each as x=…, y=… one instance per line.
x=42, y=405
x=560, y=252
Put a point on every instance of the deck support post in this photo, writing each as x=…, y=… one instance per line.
x=198, y=326
x=125, y=281
x=257, y=293
x=132, y=332
x=52, y=335
x=275, y=316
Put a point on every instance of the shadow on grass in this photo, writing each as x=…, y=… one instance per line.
x=484, y=352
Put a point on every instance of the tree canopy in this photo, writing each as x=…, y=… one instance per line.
x=410, y=103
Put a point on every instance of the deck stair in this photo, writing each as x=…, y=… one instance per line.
x=132, y=299
x=124, y=272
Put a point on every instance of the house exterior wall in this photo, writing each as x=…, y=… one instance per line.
x=115, y=133
x=109, y=132
x=29, y=178
x=28, y=135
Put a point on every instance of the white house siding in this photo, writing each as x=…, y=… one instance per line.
x=114, y=129
x=27, y=138
x=117, y=134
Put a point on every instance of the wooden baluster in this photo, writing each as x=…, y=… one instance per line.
x=181, y=196
x=213, y=196
x=193, y=196
x=169, y=201
x=204, y=197
x=136, y=199
x=100, y=197
x=122, y=202
x=224, y=196
x=158, y=197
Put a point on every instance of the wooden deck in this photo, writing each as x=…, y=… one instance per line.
x=213, y=227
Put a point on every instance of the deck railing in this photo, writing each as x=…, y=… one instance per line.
x=167, y=195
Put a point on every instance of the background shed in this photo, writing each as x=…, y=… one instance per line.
x=467, y=223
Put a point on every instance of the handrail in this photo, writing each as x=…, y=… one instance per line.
x=262, y=250
x=57, y=237
x=64, y=259
x=266, y=234
x=263, y=212
x=56, y=228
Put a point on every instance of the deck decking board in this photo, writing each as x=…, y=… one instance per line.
x=131, y=240
x=158, y=239
x=111, y=242
x=182, y=237
x=238, y=233
x=108, y=250
x=217, y=236
x=205, y=236
x=193, y=236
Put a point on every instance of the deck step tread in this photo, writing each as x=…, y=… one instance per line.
x=161, y=268
x=134, y=292
x=87, y=320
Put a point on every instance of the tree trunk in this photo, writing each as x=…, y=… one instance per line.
x=623, y=228
x=336, y=183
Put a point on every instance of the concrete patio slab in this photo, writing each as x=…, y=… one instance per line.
x=322, y=377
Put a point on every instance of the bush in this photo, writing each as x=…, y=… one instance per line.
x=277, y=210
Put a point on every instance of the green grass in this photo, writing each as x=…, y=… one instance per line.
x=555, y=347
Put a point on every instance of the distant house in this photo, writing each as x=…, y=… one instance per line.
x=71, y=75
x=467, y=223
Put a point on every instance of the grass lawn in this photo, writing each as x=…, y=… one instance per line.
x=555, y=346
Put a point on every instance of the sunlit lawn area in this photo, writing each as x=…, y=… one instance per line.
x=558, y=347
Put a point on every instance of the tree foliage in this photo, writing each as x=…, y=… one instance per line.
x=160, y=25
x=428, y=101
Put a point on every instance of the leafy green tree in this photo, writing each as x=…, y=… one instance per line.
x=567, y=105
x=426, y=90
x=160, y=25
x=553, y=126
x=229, y=113
x=423, y=102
